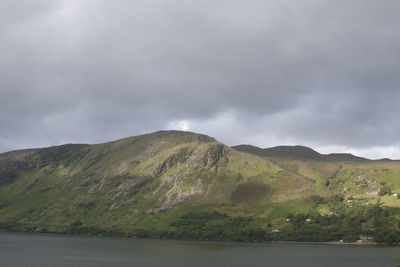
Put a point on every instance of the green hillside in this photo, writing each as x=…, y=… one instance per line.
x=296, y=152
x=185, y=185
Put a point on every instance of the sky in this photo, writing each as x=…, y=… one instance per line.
x=319, y=73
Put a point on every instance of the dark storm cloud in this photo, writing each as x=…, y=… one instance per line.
x=319, y=73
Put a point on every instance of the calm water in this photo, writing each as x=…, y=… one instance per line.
x=21, y=249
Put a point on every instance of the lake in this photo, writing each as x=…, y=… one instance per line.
x=25, y=249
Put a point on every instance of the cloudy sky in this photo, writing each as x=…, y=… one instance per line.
x=321, y=73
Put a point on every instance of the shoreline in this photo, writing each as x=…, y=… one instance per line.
x=335, y=243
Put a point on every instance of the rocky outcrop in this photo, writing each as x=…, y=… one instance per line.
x=214, y=155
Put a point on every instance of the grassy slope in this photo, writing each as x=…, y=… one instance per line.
x=149, y=181
x=344, y=174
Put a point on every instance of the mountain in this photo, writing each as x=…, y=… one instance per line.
x=185, y=185
x=296, y=152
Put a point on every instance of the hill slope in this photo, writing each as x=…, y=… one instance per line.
x=296, y=152
x=340, y=173
x=171, y=181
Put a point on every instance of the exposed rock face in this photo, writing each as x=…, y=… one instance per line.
x=185, y=182
x=369, y=185
x=18, y=165
x=214, y=155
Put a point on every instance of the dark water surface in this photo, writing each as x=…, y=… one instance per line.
x=23, y=249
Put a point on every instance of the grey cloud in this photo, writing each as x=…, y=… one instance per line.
x=323, y=73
